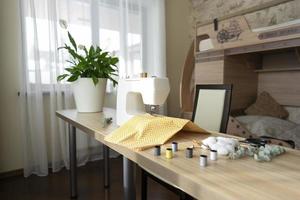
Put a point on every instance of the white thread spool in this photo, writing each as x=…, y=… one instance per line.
x=213, y=155
x=174, y=146
x=203, y=160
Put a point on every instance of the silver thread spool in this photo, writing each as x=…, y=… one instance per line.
x=156, y=151
x=174, y=146
x=203, y=160
x=213, y=155
x=189, y=152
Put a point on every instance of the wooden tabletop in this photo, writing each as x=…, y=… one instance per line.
x=243, y=179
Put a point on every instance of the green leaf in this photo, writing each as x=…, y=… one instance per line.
x=103, y=55
x=98, y=50
x=71, y=62
x=72, y=41
x=95, y=80
x=91, y=51
x=73, y=78
x=72, y=70
x=86, y=51
x=74, y=54
x=61, y=77
x=114, y=61
x=114, y=81
x=59, y=48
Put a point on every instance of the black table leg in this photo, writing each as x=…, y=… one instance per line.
x=73, y=161
x=144, y=184
x=185, y=196
x=106, y=166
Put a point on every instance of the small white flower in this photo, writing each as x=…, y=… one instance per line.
x=80, y=46
x=63, y=24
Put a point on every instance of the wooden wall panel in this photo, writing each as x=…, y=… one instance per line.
x=239, y=71
x=283, y=86
x=209, y=72
x=186, y=84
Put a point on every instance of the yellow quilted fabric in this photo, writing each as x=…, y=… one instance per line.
x=145, y=131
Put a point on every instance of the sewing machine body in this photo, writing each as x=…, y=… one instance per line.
x=133, y=94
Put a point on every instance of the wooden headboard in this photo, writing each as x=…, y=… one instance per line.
x=284, y=86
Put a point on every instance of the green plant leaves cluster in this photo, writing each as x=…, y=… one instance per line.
x=93, y=63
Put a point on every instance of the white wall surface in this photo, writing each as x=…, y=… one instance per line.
x=10, y=62
x=178, y=43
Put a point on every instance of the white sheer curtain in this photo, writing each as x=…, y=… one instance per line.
x=131, y=29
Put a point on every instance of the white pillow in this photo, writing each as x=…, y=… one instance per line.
x=294, y=114
x=265, y=125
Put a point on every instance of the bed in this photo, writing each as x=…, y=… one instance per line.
x=286, y=131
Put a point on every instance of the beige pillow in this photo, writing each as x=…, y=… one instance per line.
x=236, y=128
x=266, y=105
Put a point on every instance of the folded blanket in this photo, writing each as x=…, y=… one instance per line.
x=145, y=131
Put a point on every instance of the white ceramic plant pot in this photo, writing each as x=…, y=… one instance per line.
x=89, y=97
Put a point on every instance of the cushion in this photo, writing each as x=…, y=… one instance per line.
x=242, y=126
x=294, y=114
x=234, y=127
x=266, y=105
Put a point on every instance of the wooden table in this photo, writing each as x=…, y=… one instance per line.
x=225, y=179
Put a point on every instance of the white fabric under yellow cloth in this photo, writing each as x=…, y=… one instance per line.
x=145, y=131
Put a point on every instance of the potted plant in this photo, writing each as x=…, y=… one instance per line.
x=89, y=71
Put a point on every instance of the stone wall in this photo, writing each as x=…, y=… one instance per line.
x=204, y=10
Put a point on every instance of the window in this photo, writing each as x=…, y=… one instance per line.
x=114, y=25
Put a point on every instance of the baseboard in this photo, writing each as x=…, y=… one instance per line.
x=10, y=174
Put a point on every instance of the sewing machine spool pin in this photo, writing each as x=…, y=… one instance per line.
x=154, y=109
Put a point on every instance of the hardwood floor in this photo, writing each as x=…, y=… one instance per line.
x=90, y=185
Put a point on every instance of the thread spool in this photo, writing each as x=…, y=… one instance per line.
x=156, y=151
x=203, y=160
x=144, y=75
x=213, y=155
x=169, y=153
x=174, y=146
x=189, y=152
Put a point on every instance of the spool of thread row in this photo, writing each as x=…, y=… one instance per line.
x=203, y=160
x=213, y=155
x=174, y=146
x=156, y=151
x=189, y=152
x=169, y=153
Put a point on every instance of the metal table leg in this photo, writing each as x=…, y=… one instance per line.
x=106, y=166
x=185, y=196
x=144, y=184
x=73, y=161
x=128, y=179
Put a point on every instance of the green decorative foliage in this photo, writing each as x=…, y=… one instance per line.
x=261, y=154
x=89, y=63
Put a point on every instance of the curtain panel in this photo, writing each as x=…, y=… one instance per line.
x=133, y=30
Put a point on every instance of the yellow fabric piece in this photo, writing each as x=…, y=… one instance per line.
x=145, y=131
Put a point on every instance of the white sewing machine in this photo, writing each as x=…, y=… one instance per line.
x=133, y=94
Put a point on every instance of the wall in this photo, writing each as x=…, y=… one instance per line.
x=204, y=10
x=178, y=43
x=10, y=132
